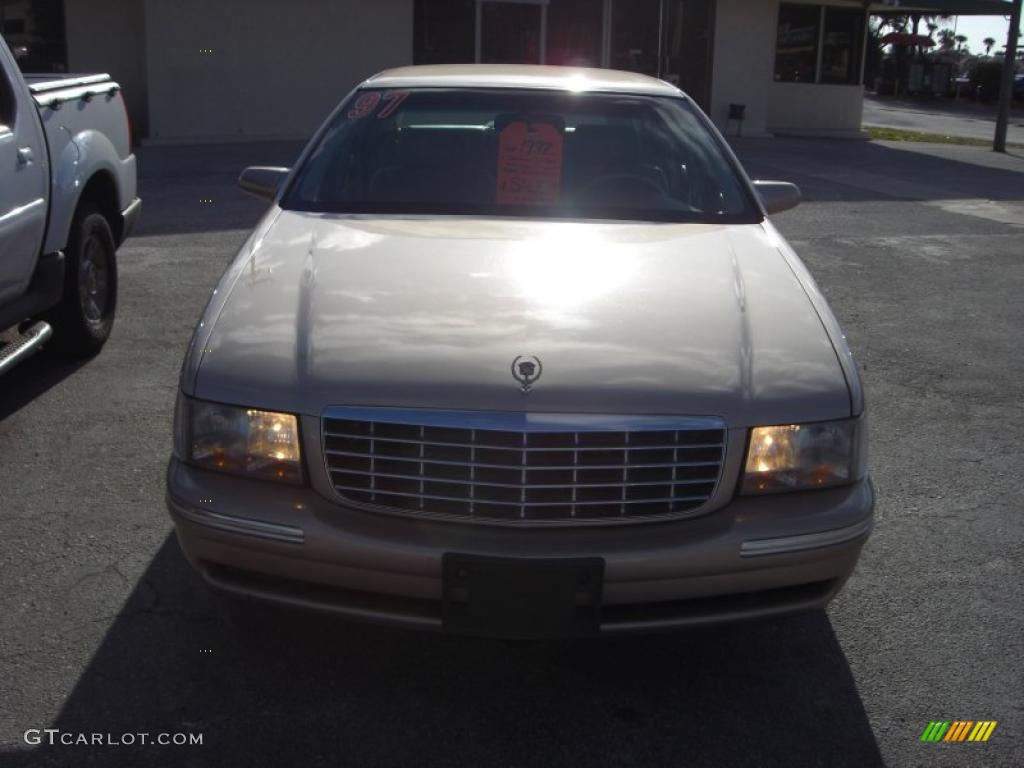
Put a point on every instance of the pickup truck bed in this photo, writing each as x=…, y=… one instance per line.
x=68, y=199
x=88, y=110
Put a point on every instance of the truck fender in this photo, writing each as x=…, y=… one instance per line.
x=87, y=165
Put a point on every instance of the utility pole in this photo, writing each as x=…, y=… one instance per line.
x=1006, y=84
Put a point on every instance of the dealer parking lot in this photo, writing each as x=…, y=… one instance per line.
x=104, y=629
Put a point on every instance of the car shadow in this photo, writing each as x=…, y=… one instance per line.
x=193, y=189
x=271, y=687
x=33, y=378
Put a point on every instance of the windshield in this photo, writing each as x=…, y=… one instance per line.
x=520, y=153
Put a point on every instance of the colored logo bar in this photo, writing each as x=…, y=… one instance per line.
x=958, y=730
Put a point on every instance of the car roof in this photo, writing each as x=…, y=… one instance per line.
x=574, y=79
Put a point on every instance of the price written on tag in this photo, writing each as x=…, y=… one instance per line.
x=529, y=164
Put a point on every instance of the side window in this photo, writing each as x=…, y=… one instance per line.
x=6, y=104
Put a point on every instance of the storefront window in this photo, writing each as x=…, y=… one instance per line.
x=670, y=39
x=34, y=31
x=574, y=33
x=796, y=48
x=841, y=45
x=802, y=35
x=444, y=32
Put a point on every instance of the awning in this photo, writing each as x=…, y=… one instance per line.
x=944, y=7
x=904, y=38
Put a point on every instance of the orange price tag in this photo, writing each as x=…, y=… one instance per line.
x=529, y=164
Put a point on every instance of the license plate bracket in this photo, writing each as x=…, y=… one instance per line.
x=522, y=598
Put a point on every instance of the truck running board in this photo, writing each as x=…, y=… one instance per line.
x=23, y=345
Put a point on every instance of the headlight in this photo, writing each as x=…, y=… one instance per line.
x=239, y=441
x=799, y=456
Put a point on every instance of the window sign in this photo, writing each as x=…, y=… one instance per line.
x=529, y=163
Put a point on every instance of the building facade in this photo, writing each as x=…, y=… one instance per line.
x=228, y=70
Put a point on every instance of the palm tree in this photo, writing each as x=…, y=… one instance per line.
x=988, y=42
x=947, y=39
x=960, y=40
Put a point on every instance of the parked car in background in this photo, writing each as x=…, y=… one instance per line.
x=1018, y=87
x=67, y=201
x=516, y=351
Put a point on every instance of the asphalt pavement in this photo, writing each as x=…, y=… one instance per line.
x=105, y=630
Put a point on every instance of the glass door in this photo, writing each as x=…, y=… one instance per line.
x=635, y=30
x=685, y=58
x=670, y=39
x=574, y=30
x=511, y=32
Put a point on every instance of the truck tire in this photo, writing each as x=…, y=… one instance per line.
x=83, y=320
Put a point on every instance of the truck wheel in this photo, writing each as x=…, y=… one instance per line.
x=84, y=318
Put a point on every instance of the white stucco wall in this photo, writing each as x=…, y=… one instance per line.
x=744, y=59
x=276, y=68
x=815, y=109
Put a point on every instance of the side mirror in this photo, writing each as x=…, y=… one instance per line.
x=778, y=196
x=262, y=181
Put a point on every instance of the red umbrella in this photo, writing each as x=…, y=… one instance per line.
x=904, y=38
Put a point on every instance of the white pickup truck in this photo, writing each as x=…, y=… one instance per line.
x=67, y=201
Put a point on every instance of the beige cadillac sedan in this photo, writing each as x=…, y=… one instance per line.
x=517, y=352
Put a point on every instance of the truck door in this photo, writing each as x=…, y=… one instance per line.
x=24, y=181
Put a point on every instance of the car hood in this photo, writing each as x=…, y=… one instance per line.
x=625, y=318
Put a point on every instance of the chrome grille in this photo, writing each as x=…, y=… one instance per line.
x=517, y=467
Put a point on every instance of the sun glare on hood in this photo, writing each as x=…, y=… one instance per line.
x=569, y=266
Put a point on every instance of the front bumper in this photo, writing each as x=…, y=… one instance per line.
x=755, y=557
